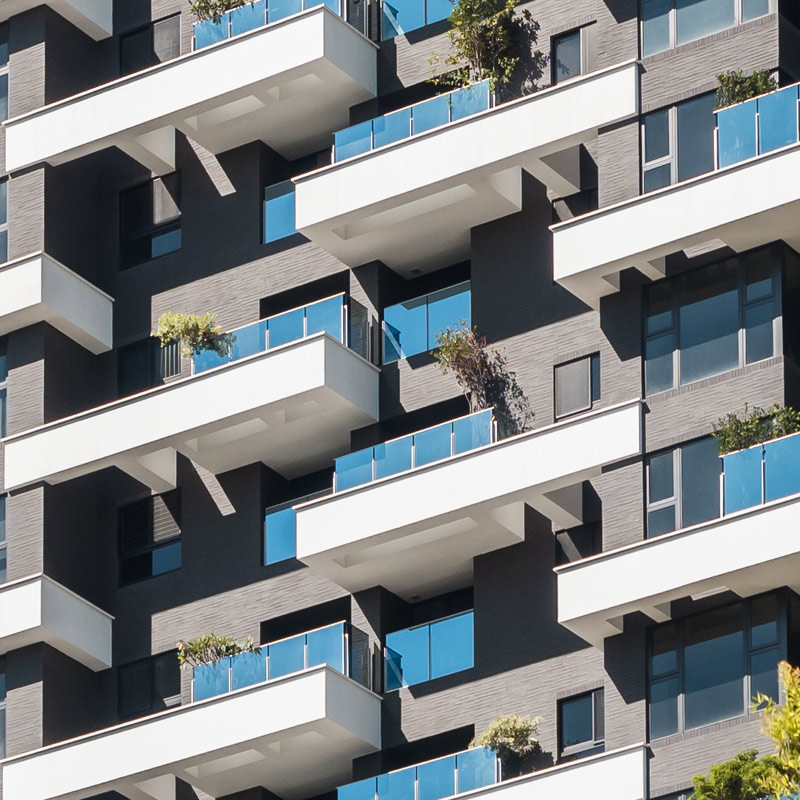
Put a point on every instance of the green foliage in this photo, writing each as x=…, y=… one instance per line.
x=195, y=333
x=214, y=9
x=483, y=375
x=741, y=778
x=754, y=427
x=736, y=87
x=491, y=39
x=510, y=736
x=210, y=648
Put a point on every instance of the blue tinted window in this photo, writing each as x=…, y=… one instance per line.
x=661, y=482
x=287, y=656
x=758, y=328
x=697, y=18
x=436, y=779
x=2, y=518
x=566, y=56
x=167, y=558
x=696, y=123
x=576, y=721
x=280, y=536
x=3, y=412
x=656, y=35
x=3, y=359
x=700, y=469
x=656, y=135
x=407, y=657
x=279, y=211
x=401, y=16
x=754, y=8
x=437, y=10
x=405, y=329
x=657, y=178
x=764, y=674
x=661, y=520
x=663, y=708
x=448, y=308
x=452, y=645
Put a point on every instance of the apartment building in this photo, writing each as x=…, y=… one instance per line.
x=412, y=570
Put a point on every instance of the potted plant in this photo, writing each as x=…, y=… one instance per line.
x=195, y=333
x=214, y=9
x=210, y=648
x=514, y=739
x=754, y=427
x=736, y=87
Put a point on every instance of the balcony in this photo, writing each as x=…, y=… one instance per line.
x=408, y=187
x=746, y=202
x=291, y=407
x=93, y=17
x=37, y=609
x=289, y=84
x=411, y=514
x=263, y=735
x=37, y=288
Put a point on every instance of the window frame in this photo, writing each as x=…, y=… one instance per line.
x=582, y=45
x=4, y=385
x=169, y=701
x=150, y=28
x=591, y=746
x=594, y=367
x=4, y=537
x=3, y=695
x=4, y=69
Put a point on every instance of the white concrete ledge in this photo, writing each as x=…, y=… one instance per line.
x=295, y=735
x=412, y=204
x=292, y=407
x=38, y=609
x=290, y=84
x=37, y=288
x=743, y=206
x=748, y=552
x=418, y=532
x=93, y=17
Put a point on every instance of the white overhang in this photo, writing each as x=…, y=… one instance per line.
x=743, y=206
x=295, y=735
x=93, y=17
x=292, y=407
x=418, y=532
x=748, y=552
x=37, y=288
x=290, y=84
x=38, y=609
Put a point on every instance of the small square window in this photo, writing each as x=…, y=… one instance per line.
x=577, y=385
x=150, y=220
x=567, y=56
x=581, y=725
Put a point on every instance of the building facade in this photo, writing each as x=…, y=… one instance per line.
x=411, y=569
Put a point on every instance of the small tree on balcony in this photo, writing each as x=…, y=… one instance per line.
x=195, y=333
x=736, y=87
x=741, y=778
x=214, y=9
x=210, y=648
x=754, y=426
x=513, y=738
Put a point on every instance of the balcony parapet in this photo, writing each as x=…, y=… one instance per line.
x=94, y=17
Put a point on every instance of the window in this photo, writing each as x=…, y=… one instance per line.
x=3, y=72
x=280, y=529
x=149, y=684
x=144, y=364
x=568, y=57
x=149, y=537
x=3, y=558
x=581, y=725
x=678, y=142
x=278, y=211
x=2, y=708
x=3, y=220
x=150, y=220
x=402, y=16
x=683, y=486
x=425, y=652
x=710, y=320
x=708, y=667
x=3, y=384
x=152, y=44
x=667, y=23
x=577, y=385
x=410, y=327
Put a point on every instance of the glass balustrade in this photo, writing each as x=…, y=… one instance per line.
x=398, y=125
x=341, y=646
x=431, y=780
x=761, y=474
x=280, y=529
x=758, y=126
x=414, y=450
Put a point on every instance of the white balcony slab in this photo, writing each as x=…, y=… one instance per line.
x=37, y=288
x=290, y=84
x=93, y=17
x=742, y=206
x=748, y=552
x=412, y=204
x=38, y=609
x=418, y=532
x=295, y=735
x=292, y=407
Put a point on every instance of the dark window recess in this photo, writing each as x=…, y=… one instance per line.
x=150, y=220
x=150, y=684
x=3, y=380
x=3, y=561
x=567, y=56
x=144, y=364
x=3, y=72
x=152, y=44
x=581, y=725
x=149, y=537
x=577, y=385
x=2, y=708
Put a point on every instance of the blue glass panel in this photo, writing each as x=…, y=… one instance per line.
x=764, y=674
x=448, y=308
x=777, y=119
x=249, y=340
x=404, y=330
x=433, y=444
x=333, y=5
x=280, y=536
x=436, y=779
x=392, y=457
x=754, y=8
x=431, y=114
x=663, y=708
x=287, y=656
x=758, y=332
x=208, y=359
x=353, y=469
x=476, y=768
x=209, y=32
x=247, y=669
x=360, y=790
x=285, y=328
x=470, y=100
x=211, y=680
x=326, y=315
x=248, y=17
x=401, y=16
x=278, y=9
x=279, y=211
x=452, y=645
x=326, y=646
x=393, y=662
x=409, y=661
x=352, y=141
x=655, y=27
x=167, y=558
x=742, y=479
x=782, y=468
x=391, y=127
x=397, y=785
x=163, y=243
x=438, y=9
x=698, y=18
x=473, y=431
x=736, y=132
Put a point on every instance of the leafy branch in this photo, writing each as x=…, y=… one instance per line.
x=210, y=648
x=734, y=432
x=196, y=333
x=214, y=9
x=736, y=87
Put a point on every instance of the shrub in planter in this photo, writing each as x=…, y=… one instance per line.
x=734, y=432
x=214, y=9
x=195, y=333
x=736, y=87
x=514, y=739
x=741, y=778
x=210, y=648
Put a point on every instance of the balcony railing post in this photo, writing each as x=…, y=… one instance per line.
x=191, y=689
x=716, y=145
x=722, y=491
x=345, y=334
x=305, y=652
x=758, y=133
x=452, y=439
x=345, y=654
x=266, y=664
x=230, y=675
x=763, y=474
